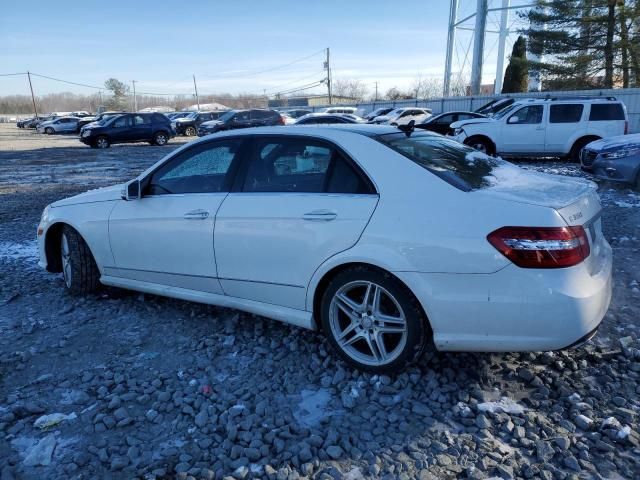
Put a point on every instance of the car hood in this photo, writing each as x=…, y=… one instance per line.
x=613, y=143
x=105, y=194
x=211, y=123
x=512, y=183
x=462, y=123
x=183, y=120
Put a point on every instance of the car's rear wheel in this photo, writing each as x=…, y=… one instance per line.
x=102, y=142
x=190, y=131
x=79, y=268
x=49, y=131
x=481, y=144
x=373, y=321
x=160, y=139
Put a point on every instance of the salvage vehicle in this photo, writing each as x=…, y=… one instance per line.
x=234, y=119
x=327, y=118
x=390, y=242
x=188, y=125
x=97, y=118
x=154, y=128
x=545, y=127
x=59, y=125
x=378, y=112
x=614, y=158
x=442, y=123
x=403, y=116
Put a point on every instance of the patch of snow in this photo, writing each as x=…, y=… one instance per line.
x=505, y=405
x=19, y=251
x=623, y=204
x=312, y=406
x=624, y=432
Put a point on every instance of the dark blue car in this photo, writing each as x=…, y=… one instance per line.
x=614, y=158
x=154, y=128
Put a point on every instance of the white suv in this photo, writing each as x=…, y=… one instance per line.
x=549, y=127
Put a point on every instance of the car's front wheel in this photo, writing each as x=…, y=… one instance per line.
x=373, y=321
x=49, y=131
x=160, y=139
x=102, y=142
x=79, y=268
x=190, y=131
x=481, y=144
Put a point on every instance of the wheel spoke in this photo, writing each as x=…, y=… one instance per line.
x=353, y=339
x=378, y=342
x=373, y=346
x=348, y=306
x=352, y=326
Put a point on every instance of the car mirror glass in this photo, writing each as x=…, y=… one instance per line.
x=513, y=120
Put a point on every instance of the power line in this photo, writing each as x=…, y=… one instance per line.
x=67, y=81
x=12, y=74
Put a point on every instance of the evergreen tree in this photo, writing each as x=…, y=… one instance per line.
x=516, y=76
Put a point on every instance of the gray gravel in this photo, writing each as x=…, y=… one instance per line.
x=151, y=387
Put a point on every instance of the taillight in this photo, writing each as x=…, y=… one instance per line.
x=281, y=120
x=542, y=247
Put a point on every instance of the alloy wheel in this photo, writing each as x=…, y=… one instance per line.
x=102, y=143
x=368, y=323
x=161, y=139
x=67, y=272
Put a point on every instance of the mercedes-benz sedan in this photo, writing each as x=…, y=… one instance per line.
x=389, y=242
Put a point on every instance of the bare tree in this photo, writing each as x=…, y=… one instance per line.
x=426, y=87
x=349, y=88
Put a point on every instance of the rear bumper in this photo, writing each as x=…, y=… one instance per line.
x=514, y=309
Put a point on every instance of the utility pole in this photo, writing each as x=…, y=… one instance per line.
x=135, y=99
x=327, y=65
x=195, y=87
x=33, y=99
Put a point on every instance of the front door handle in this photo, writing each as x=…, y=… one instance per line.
x=320, y=216
x=196, y=215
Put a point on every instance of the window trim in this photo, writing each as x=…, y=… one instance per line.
x=230, y=176
x=522, y=108
x=241, y=175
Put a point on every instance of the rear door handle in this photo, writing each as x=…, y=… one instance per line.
x=196, y=215
x=320, y=216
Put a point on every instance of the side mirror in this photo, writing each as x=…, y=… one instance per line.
x=513, y=120
x=132, y=190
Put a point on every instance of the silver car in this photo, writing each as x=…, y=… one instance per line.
x=615, y=158
x=59, y=125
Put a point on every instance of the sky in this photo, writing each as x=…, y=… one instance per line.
x=238, y=46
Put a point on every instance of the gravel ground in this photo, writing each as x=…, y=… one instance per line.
x=125, y=385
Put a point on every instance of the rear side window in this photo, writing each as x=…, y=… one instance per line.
x=141, y=120
x=301, y=165
x=607, y=111
x=159, y=118
x=459, y=165
x=566, y=113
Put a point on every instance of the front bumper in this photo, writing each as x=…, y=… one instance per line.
x=514, y=309
x=624, y=170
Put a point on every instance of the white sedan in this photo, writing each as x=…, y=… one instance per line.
x=388, y=241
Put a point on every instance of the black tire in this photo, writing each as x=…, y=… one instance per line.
x=79, y=269
x=102, y=142
x=481, y=144
x=637, y=184
x=49, y=131
x=574, y=154
x=160, y=139
x=402, y=348
x=190, y=131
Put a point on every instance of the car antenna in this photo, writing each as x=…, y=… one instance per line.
x=408, y=128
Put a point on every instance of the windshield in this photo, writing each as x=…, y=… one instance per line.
x=459, y=165
x=227, y=116
x=504, y=112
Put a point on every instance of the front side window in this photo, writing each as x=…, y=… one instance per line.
x=241, y=117
x=527, y=116
x=445, y=119
x=202, y=169
x=570, y=113
x=300, y=165
x=121, y=122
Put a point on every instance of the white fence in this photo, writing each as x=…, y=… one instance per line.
x=629, y=96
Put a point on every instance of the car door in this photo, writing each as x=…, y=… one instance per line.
x=119, y=131
x=140, y=128
x=441, y=124
x=241, y=120
x=166, y=237
x=564, y=123
x=523, y=131
x=299, y=201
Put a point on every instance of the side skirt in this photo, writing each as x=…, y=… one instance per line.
x=299, y=318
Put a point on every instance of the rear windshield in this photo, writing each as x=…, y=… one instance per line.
x=459, y=165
